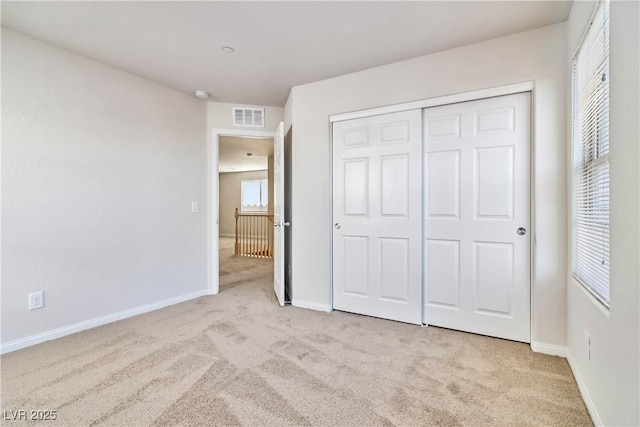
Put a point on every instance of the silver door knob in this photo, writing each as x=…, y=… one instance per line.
x=521, y=231
x=286, y=224
x=337, y=226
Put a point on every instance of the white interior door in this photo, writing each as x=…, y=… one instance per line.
x=377, y=207
x=477, y=240
x=279, y=221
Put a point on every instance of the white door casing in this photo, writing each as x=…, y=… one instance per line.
x=279, y=221
x=377, y=216
x=477, y=197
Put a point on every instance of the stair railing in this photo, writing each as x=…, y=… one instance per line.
x=254, y=234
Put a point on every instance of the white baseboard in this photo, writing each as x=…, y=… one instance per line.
x=591, y=407
x=311, y=305
x=21, y=343
x=557, y=350
x=550, y=349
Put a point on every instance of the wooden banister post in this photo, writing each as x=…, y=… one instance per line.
x=237, y=245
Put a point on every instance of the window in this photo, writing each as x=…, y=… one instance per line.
x=255, y=195
x=591, y=157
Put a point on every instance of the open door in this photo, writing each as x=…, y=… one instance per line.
x=279, y=221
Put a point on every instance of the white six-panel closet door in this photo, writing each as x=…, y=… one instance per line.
x=377, y=209
x=477, y=219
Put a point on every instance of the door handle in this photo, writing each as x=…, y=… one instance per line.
x=286, y=224
x=521, y=231
x=337, y=226
x=276, y=224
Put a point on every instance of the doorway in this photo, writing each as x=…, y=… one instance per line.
x=234, y=145
x=245, y=212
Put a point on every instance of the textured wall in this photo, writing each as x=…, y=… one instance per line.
x=611, y=378
x=538, y=56
x=99, y=169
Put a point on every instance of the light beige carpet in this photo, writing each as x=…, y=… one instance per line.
x=235, y=268
x=239, y=359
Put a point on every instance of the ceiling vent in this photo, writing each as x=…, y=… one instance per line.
x=253, y=117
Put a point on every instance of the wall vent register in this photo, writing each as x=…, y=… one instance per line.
x=251, y=117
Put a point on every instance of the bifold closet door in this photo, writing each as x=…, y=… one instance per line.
x=377, y=209
x=477, y=237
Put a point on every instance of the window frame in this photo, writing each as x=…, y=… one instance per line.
x=593, y=167
x=266, y=202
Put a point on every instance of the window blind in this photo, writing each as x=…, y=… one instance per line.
x=591, y=157
x=254, y=195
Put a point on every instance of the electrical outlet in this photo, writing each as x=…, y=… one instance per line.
x=195, y=207
x=36, y=300
x=587, y=345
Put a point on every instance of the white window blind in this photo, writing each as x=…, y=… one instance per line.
x=255, y=195
x=591, y=157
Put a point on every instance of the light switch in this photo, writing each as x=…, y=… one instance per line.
x=195, y=207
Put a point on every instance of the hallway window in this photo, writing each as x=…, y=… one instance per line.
x=591, y=157
x=255, y=195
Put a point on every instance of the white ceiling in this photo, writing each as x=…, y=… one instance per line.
x=278, y=44
x=232, y=154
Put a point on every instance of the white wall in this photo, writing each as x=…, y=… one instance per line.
x=610, y=381
x=537, y=55
x=288, y=113
x=230, y=197
x=99, y=168
x=270, y=183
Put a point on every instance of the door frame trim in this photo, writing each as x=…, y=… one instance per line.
x=437, y=102
x=511, y=89
x=213, y=219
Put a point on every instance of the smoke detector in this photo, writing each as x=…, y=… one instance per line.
x=201, y=94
